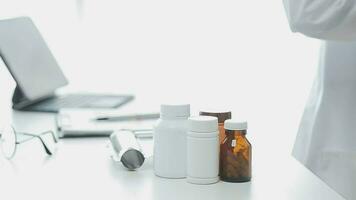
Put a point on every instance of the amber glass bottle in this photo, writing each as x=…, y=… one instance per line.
x=222, y=116
x=235, y=153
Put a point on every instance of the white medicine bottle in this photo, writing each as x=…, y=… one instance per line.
x=170, y=141
x=203, y=150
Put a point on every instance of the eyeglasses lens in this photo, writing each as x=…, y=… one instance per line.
x=8, y=142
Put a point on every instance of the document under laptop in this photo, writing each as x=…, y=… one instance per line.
x=83, y=122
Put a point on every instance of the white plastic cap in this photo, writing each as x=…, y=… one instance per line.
x=203, y=124
x=175, y=110
x=232, y=124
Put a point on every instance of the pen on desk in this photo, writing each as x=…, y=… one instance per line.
x=128, y=117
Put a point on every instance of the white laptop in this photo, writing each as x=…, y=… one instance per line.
x=37, y=74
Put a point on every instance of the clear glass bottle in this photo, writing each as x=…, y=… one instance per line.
x=235, y=153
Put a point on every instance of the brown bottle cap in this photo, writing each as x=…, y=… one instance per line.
x=222, y=116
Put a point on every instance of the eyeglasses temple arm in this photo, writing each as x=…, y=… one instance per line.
x=43, y=144
x=53, y=135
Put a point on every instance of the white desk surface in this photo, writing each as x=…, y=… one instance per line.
x=82, y=169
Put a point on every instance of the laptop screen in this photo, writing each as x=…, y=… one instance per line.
x=29, y=59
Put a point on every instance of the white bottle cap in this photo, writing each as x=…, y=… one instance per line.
x=175, y=110
x=203, y=124
x=232, y=124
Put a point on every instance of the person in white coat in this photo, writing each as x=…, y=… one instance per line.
x=326, y=140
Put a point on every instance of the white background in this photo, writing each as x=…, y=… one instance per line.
x=238, y=55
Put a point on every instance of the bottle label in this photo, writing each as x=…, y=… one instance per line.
x=233, y=143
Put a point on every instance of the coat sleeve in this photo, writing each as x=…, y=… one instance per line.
x=323, y=19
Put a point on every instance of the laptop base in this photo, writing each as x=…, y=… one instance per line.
x=55, y=103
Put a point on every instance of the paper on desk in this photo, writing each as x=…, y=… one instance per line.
x=80, y=122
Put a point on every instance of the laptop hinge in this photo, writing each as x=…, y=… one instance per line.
x=19, y=100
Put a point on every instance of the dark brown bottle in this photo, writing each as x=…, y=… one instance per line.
x=222, y=116
x=235, y=153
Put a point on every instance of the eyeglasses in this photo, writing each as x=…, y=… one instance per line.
x=10, y=139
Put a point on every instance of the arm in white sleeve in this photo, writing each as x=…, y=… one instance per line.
x=323, y=19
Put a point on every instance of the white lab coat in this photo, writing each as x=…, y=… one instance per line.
x=326, y=140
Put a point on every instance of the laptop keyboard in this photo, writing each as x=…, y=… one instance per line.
x=79, y=101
